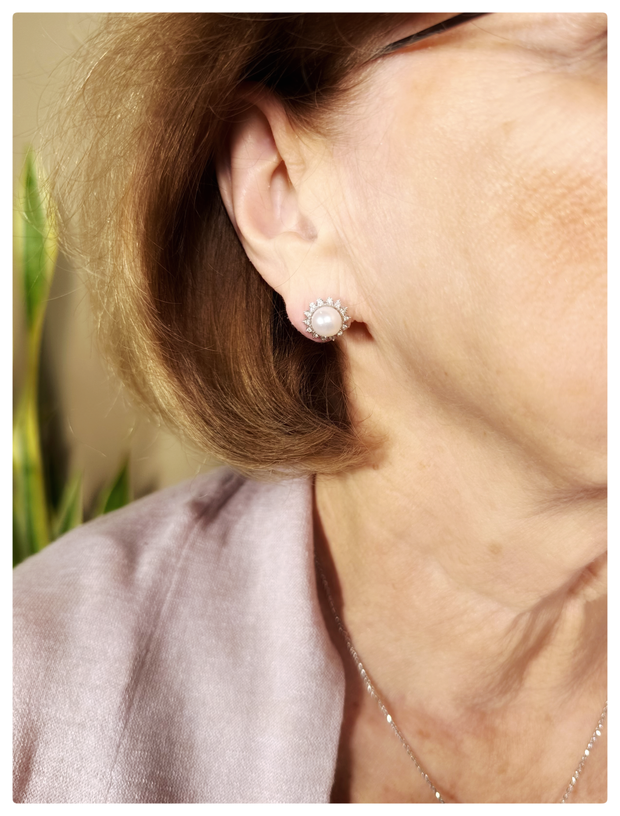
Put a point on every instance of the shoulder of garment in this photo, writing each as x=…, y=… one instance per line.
x=174, y=651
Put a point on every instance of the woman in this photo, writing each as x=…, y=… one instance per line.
x=441, y=466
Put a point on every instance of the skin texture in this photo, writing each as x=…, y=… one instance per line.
x=458, y=210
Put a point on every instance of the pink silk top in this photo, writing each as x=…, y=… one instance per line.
x=175, y=651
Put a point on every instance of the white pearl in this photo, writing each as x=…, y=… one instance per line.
x=326, y=321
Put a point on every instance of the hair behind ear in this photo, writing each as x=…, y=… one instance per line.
x=194, y=330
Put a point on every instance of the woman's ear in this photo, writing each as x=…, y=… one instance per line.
x=270, y=180
x=257, y=178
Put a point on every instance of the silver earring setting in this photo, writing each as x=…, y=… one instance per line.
x=326, y=319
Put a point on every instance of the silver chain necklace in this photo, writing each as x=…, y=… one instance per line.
x=390, y=720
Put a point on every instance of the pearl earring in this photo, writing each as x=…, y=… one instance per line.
x=326, y=319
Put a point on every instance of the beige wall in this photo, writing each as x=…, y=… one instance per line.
x=92, y=420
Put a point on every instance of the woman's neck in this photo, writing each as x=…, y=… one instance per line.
x=473, y=589
x=467, y=579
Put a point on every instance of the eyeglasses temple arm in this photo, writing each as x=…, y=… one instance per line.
x=428, y=32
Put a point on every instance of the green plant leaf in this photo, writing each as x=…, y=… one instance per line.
x=70, y=513
x=117, y=494
x=36, y=245
x=36, y=251
x=20, y=545
x=29, y=502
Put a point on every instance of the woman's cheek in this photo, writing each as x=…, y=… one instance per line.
x=550, y=182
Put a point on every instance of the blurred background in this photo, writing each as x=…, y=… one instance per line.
x=87, y=422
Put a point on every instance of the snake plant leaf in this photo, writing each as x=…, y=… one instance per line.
x=30, y=516
x=117, y=494
x=20, y=549
x=36, y=245
x=69, y=514
x=36, y=251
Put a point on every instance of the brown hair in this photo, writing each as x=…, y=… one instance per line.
x=193, y=329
